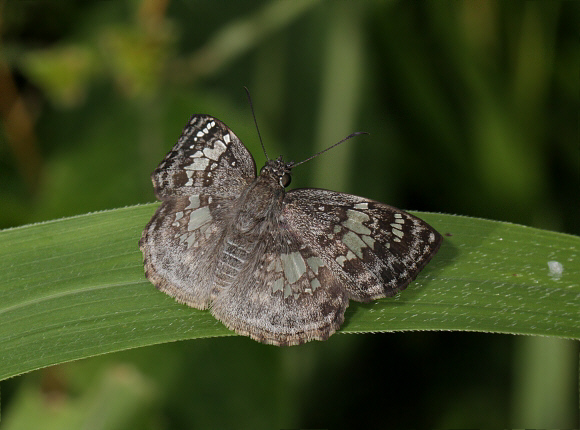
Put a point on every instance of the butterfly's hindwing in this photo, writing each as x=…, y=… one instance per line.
x=179, y=246
x=287, y=296
x=376, y=249
x=208, y=157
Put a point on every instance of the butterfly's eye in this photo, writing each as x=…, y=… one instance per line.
x=262, y=169
x=285, y=180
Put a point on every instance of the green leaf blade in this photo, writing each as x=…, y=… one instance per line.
x=75, y=287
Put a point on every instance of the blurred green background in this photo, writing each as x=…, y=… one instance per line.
x=472, y=108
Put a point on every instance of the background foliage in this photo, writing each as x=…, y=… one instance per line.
x=472, y=109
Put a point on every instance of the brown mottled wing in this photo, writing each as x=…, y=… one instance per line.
x=285, y=296
x=179, y=246
x=375, y=249
x=197, y=182
x=208, y=158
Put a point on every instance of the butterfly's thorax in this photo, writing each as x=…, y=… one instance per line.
x=259, y=202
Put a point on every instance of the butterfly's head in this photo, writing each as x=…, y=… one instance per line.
x=279, y=170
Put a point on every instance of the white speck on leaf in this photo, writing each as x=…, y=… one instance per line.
x=556, y=269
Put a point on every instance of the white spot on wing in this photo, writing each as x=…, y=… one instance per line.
x=193, y=202
x=198, y=164
x=314, y=263
x=314, y=284
x=364, y=205
x=354, y=243
x=278, y=285
x=294, y=266
x=198, y=218
x=215, y=152
x=369, y=241
x=191, y=240
x=355, y=220
x=287, y=289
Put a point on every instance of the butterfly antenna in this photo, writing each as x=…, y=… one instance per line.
x=330, y=147
x=256, y=122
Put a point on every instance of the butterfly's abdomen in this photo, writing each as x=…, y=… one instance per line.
x=233, y=256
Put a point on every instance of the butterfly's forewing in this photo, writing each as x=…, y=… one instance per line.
x=197, y=182
x=207, y=159
x=376, y=249
x=287, y=296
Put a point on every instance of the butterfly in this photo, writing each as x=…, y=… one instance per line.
x=278, y=266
